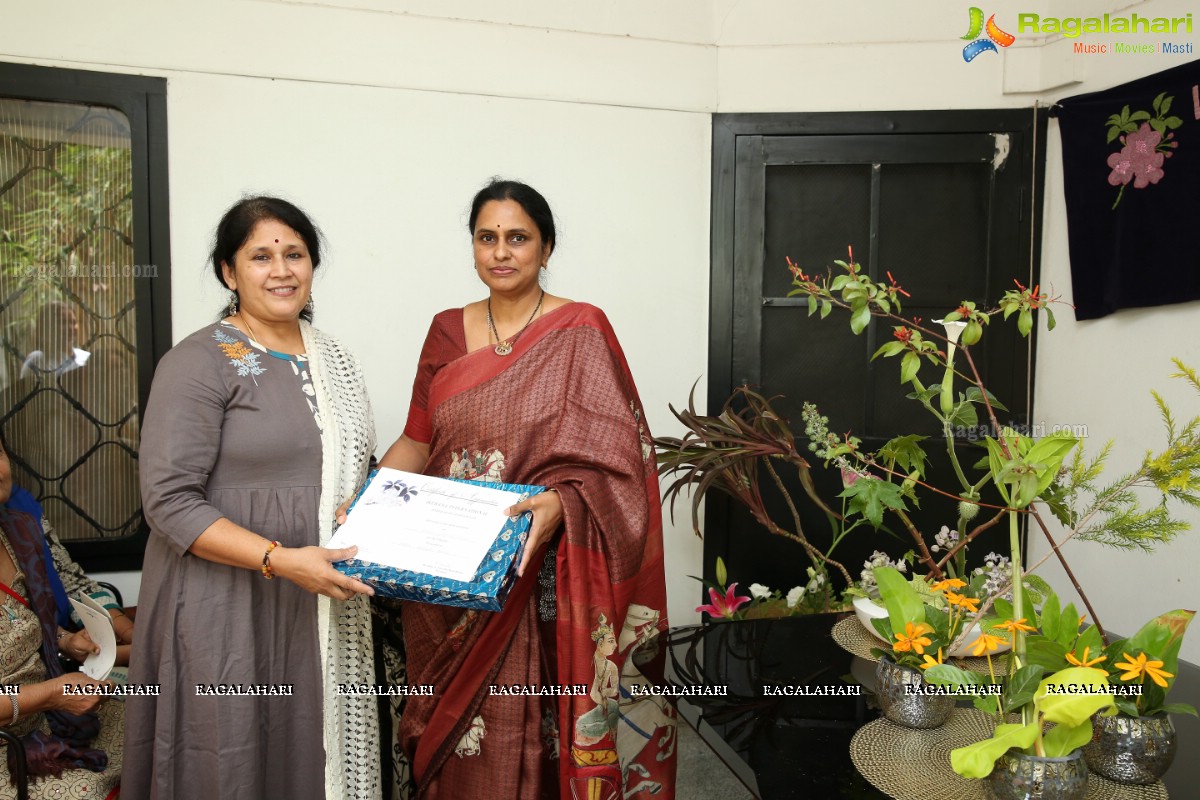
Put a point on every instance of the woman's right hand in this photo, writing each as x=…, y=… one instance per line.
x=311, y=569
x=342, y=510
x=75, y=703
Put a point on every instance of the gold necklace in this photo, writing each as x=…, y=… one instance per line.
x=505, y=347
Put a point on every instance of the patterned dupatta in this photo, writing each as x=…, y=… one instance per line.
x=560, y=411
x=66, y=748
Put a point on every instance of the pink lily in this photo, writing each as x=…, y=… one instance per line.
x=724, y=605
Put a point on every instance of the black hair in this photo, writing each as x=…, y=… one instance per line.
x=238, y=222
x=523, y=195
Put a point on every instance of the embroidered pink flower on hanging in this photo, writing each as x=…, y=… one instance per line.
x=1139, y=160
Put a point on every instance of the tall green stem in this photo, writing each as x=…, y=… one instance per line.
x=1018, y=591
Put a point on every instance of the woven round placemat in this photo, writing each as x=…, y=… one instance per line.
x=854, y=638
x=911, y=764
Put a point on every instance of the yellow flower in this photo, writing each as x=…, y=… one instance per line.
x=913, y=638
x=1083, y=661
x=1014, y=625
x=1140, y=667
x=949, y=583
x=930, y=661
x=987, y=643
x=969, y=604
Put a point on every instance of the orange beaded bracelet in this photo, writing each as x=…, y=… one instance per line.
x=267, y=572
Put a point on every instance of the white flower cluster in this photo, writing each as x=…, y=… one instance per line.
x=996, y=568
x=878, y=559
x=945, y=539
x=815, y=581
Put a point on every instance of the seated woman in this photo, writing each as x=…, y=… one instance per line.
x=72, y=741
x=67, y=579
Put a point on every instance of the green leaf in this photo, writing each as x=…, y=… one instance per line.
x=1113, y=133
x=1025, y=322
x=1159, y=125
x=947, y=675
x=901, y=600
x=975, y=396
x=1139, y=116
x=1165, y=107
x=1020, y=688
x=1051, y=618
x=888, y=349
x=978, y=760
x=1058, y=699
x=869, y=497
x=722, y=576
x=839, y=282
x=826, y=307
x=905, y=453
x=1050, y=323
x=1047, y=456
x=1162, y=637
x=860, y=318
x=1180, y=708
x=1172, y=122
x=1003, y=608
x=997, y=462
x=1038, y=589
x=1049, y=655
x=963, y=415
x=812, y=304
x=1062, y=740
x=1157, y=105
x=909, y=365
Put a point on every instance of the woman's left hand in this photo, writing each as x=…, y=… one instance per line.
x=547, y=516
x=78, y=646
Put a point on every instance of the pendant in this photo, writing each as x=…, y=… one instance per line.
x=503, y=349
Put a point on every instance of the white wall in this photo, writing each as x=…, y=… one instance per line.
x=383, y=116
x=384, y=125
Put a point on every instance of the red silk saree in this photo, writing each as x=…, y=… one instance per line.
x=560, y=411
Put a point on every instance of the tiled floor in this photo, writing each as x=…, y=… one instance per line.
x=701, y=773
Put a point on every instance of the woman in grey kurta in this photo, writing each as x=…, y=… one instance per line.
x=243, y=447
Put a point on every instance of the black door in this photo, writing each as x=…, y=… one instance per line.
x=946, y=202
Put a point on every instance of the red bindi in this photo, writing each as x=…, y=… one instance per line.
x=276, y=241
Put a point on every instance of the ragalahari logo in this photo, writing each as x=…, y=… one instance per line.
x=988, y=43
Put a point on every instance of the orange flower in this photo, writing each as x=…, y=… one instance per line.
x=949, y=583
x=986, y=643
x=1014, y=625
x=1083, y=661
x=930, y=661
x=1139, y=667
x=913, y=638
x=969, y=604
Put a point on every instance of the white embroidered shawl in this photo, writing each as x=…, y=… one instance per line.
x=344, y=628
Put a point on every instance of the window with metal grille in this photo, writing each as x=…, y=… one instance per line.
x=84, y=295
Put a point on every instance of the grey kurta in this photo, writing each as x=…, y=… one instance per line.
x=228, y=432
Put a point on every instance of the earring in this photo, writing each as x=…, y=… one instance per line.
x=233, y=304
x=310, y=306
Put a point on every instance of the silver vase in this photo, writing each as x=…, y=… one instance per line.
x=1020, y=776
x=901, y=693
x=1127, y=749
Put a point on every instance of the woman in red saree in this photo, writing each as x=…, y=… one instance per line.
x=525, y=387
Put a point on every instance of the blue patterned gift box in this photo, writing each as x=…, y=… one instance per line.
x=485, y=592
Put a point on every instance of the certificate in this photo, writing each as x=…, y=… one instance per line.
x=433, y=539
x=98, y=623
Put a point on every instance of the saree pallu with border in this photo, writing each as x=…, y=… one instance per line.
x=541, y=700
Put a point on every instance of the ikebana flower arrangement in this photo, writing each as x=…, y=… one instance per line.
x=725, y=602
x=1000, y=605
x=1036, y=480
